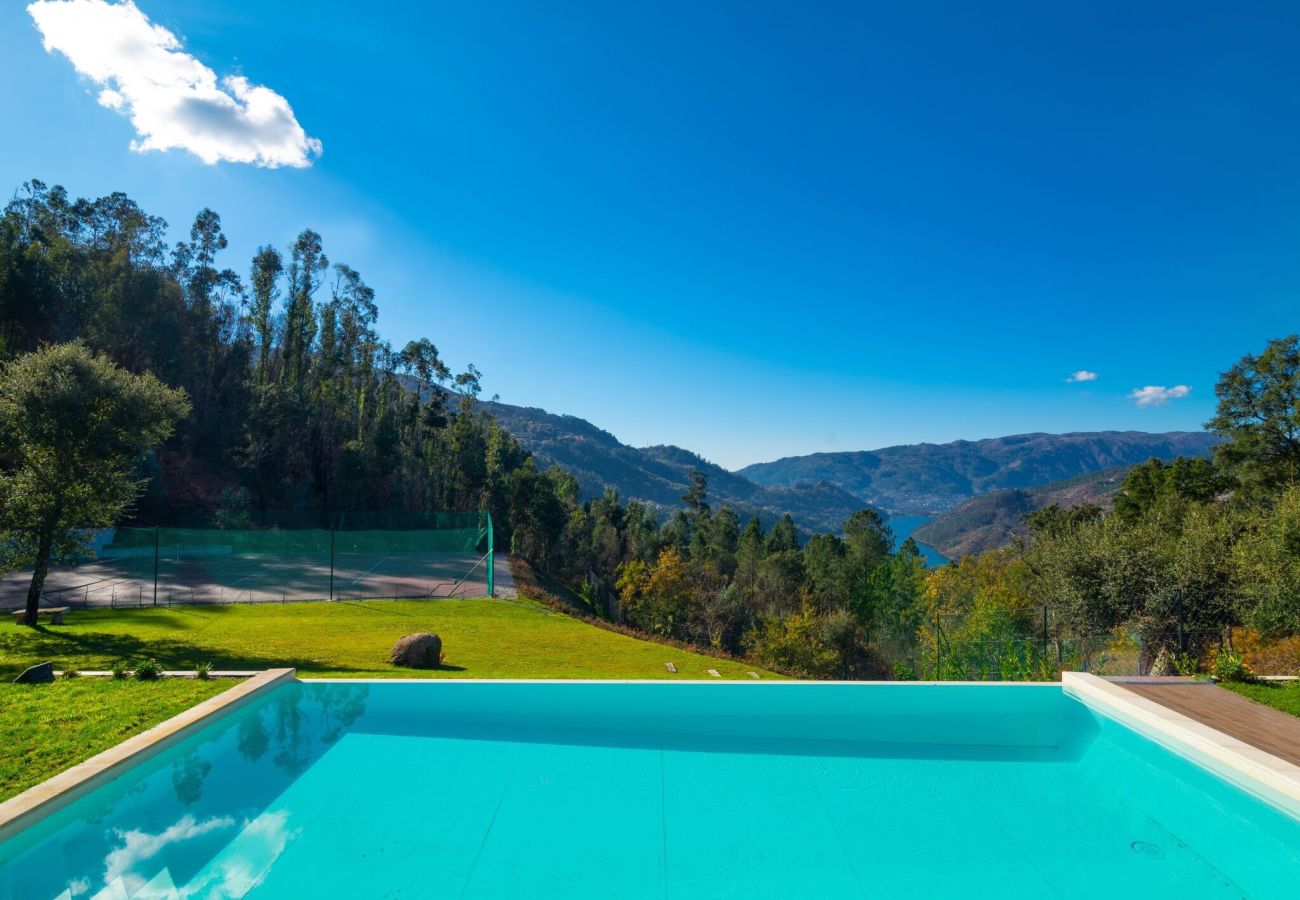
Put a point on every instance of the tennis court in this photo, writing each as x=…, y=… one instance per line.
x=163, y=566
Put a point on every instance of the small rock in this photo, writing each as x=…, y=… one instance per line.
x=41, y=673
x=417, y=651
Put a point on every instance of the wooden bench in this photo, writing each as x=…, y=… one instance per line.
x=53, y=613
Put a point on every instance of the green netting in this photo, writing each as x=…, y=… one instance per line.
x=365, y=555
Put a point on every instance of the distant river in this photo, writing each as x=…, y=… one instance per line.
x=903, y=527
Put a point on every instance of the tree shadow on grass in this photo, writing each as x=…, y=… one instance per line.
x=98, y=650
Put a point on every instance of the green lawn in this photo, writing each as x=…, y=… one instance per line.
x=1284, y=696
x=45, y=728
x=481, y=639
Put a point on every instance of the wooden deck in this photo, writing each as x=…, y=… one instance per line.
x=1260, y=726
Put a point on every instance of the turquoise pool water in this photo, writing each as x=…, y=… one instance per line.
x=660, y=790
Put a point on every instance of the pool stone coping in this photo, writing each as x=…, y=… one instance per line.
x=44, y=799
x=1257, y=772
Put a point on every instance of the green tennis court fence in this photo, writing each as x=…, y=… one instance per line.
x=434, y=555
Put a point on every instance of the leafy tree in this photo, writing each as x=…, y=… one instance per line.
x=1055, y=519
x=307, y=265
x=783, y=537
x=751, y=548
x=828, y=573
x=267, y=268
x=1154, y=482
x=1258, y=414
x=72, y=428
x=657, y=598
x=869, y=538
x=1267, y=561
x=696, y=495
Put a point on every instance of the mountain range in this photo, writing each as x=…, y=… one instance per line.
x=927, y=479
x=660, y=475
x=821, y=490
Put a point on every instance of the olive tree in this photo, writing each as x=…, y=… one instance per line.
x=73, y=426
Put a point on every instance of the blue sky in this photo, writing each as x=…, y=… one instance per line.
x=750, y=231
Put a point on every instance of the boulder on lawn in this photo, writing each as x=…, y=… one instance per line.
x=417, y=651
x=41, y=673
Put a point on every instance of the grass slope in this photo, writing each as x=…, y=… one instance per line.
x=46, y=728
x=481, y=639
x=1284, y=696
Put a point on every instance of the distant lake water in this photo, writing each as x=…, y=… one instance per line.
x=903, y=527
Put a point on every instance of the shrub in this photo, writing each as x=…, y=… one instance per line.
x=148, y=670
x=1229, y=666
x=235, y=510
x=904, y=672
x=203, y=671
x=1186, y=664
x=71, y=673
x=120, y=670
x=1267, y=654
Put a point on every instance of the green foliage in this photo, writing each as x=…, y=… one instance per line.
x=1155, y=484
x=148, y=670
x=1186, y=664
x=1259, y=415
x=120, y=670
x=1167, y=566
x=235, y=511
x=903, y=672
x=817, y=646
x=1267, y=559
x=1054, y=519
x=298, y=405
x=73, y=426
x=1230, y=666
x=203, y=671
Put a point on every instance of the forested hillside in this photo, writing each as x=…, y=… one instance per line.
x=297, y=404
x=991, y=520
x=300, y=414
x=924, y=479
x=660, y=475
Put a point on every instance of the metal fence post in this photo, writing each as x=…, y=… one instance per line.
x=155, y=565
x=331, y=564
x=1182, y=636
x=1044, y=631
x=491, y=560
x=938, y=649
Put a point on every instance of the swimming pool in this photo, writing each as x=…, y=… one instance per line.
x=509, y=789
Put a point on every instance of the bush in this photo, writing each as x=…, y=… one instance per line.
x=71, y=673
x=148, y=670
x=1186, y=664
x=120, y=670
x=904, y=672
x=203, y=671
x=1267, y=654
x=235, y=511
x=1229, y=666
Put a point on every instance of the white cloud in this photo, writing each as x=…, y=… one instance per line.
x=129, y=862
x=1158, y=394
x=172, y=99
x=1082, y=375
